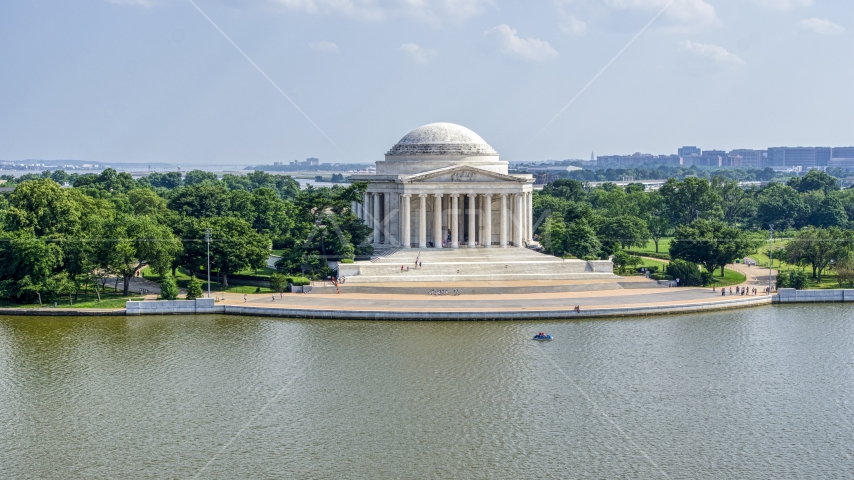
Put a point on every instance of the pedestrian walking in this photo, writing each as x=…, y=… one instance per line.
x=244, y=298
x=274, y=297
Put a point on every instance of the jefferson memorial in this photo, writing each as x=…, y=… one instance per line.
x=444, y=208
x=442, y=186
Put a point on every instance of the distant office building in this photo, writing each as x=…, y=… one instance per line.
x=637, y=159
x=309, y=162
x=842, y=157
x=751, y=158
x=807, y=157
x=689, y=151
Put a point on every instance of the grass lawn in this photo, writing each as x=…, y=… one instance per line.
x=731, y=277
x=261, y=272
x=761, y=255
x=108, y=300
x=278, y=252
x=663, y=246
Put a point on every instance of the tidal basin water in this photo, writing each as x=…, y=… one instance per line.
x=758, y=393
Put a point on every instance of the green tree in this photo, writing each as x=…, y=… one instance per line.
x=201, y=201
x=690, y=199
x=688, y=273
x=273, y=217
x=29, y=266
x=818, y=248
x=146, y=202
x=194, y=289
x=581, y=240
x=736, y=202
x=41, y=207
x=780, y=205
x=814, y=180
x=792, y=279
x=235, y=246
x=168, y=288
x=622, y=232
x=710, y=243
x=168, y=181
x=134, y=242
x=624, y=261
x=278, y=282
x=554, y=236
x=198, y=177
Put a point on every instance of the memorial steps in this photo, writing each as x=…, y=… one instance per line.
x=473, y=265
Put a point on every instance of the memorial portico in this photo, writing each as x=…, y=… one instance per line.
x=442, y=186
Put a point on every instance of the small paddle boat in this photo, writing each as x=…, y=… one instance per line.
x=542, y=337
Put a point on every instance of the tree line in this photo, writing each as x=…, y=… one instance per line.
x=712, y=222
x=70, y=239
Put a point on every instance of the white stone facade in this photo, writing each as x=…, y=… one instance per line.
x=442, y=186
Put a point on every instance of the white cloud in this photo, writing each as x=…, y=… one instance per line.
x=418, y=54
x=139, y=3
x=431, y=12
x=573, y=26
x=821, y=26
x=784, y=5
x=324, y=46
x=681, y=15
x=530, y=49
x=703, y=57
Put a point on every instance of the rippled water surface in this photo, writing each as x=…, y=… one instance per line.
x=760, y=393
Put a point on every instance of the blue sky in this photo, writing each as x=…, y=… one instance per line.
x=153, y=80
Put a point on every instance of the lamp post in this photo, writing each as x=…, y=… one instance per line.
x=770, y=256
x=208, y=240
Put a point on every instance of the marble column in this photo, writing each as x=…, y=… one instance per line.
x=472, y=221
x=375, y=221
x=455, y=220
x=523, y=216
x=530, y=216
x=368, y=211
x=437, y=220
x=487, y=220
x=407, y=228
x=386, y=225
x=422, y=220
x=517, y=221
x=502, y=234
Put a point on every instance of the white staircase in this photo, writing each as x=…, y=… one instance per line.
x=473, y=264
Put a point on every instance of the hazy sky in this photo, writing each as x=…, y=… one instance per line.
x=153, y=80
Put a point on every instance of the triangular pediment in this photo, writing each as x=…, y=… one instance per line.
x=462, y=174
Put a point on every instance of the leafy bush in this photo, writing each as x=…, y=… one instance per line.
x=347, y=260
x=168, y=288
x=278, y=282
x=660, y=276
x=297, y=281
x=688, y=273
x=624, y=261
x=194, y=289
x=796, y=279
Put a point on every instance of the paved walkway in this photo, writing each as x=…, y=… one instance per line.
x=533, y=301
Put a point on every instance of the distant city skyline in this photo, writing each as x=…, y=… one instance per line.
x=154, y=81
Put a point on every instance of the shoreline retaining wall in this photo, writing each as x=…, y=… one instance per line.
x=167, y=307
x=188, y=307
x=790, y=295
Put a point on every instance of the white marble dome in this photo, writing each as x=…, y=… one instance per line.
x=441, y=139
